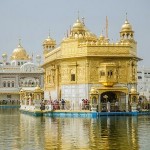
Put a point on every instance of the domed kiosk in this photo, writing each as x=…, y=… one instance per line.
x=133, y=97
x=19, y=56
x=20, y=53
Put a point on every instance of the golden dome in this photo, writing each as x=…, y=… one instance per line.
x=93, y=91
x=133, y=90
x=101, y=38
x=37, y=87
x=20, y=53
x=78, y=25
x=126, y=26
x=49, y=41
x=79, y=31
x=22, y=90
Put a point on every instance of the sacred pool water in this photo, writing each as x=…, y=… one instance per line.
x=24, y=132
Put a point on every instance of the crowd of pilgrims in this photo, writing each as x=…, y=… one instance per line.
x=65, y=105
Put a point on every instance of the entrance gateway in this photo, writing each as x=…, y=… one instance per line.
x=115, y=99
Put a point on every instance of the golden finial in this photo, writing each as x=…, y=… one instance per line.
x=49, y=34
x=106, y=27
x=32, y=57
x=70, y=29
x=78, y=14
x=19, y=42
x=67, y=34
x=126, y=16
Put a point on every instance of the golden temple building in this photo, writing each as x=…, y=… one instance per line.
x=85, y=66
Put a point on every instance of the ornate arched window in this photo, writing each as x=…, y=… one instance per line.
x=33, y=84
x=8, y=84
x=4, y=84
x=21, y=83
x=110, y=73
x=26, y=84
x=30, y=83
x=102, y=73
x=73, y=75
x=12, y=84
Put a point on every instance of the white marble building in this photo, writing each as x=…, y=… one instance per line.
x=19, y=73
x=143, y=83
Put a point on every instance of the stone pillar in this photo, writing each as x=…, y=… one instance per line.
x=25, y=100
x=99, y=103
x=57, y=82
x=29, y=100
x=127, y=103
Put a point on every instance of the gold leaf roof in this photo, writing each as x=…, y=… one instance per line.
x=79, y=31
x=20, y=53
x=78, y=25
x=126, y=26
x=49, y=41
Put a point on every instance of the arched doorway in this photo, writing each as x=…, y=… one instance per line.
x=108, y=98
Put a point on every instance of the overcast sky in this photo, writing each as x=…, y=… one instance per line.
x=31, y=20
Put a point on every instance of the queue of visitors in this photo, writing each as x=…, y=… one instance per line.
x=84, y=104
x=64, y=104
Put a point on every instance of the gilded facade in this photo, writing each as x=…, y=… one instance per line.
x=85, y=64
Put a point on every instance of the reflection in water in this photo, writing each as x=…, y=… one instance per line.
x=115, y=132
x=67, y=133
x=24, y=132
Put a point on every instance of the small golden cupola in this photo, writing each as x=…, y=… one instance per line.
x=79, y=31
x=48, y=44
x=4, y=56
x=102, y=38
x=19, y=53
x=133, y=90
x=126, y=32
